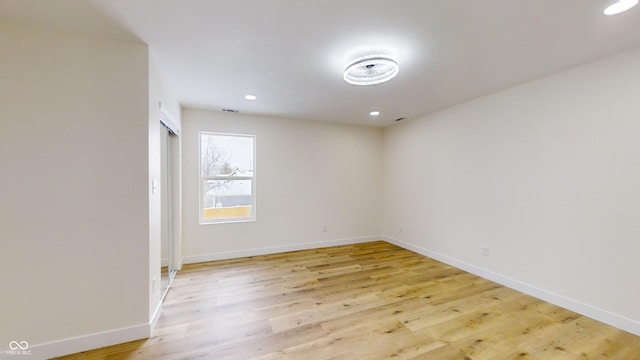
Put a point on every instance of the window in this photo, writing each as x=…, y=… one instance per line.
x=227, y=182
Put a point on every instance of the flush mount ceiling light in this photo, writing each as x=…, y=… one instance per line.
x=374, y=113
x=620, y=6
x=371, y=70
x=250, y=97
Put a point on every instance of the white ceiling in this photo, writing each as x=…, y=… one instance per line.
x=291, y=53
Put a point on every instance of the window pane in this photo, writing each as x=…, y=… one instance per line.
x=226, y=171
x=227, y=199
x=226, y=155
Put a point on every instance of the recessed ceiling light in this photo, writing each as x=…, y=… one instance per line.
x=371, y=70
x=620, y=6
x=374, y=113
x=250, y=97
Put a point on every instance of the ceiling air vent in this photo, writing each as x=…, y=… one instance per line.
x=231, y=110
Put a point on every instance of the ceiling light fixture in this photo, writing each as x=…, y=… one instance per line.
x=620, y=6
x=374, y=113
x=250, y=97
x=371, y=70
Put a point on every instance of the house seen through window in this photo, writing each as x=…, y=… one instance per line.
x=227, y=183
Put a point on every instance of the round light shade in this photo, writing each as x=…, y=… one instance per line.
x=371, y=70
x=620, y=6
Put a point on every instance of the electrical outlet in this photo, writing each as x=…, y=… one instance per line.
x=153, y=285
x=485, y=250
x=401, y=229
x=324, y=228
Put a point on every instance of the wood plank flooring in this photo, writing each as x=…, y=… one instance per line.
x=364, y=301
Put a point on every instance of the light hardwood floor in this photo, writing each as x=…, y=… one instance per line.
x=365, y=301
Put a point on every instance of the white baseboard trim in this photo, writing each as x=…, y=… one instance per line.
x=593, y=312
x=277, y=249
x=89, y=342
x=118, y=336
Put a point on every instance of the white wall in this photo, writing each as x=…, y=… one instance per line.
x=546, y=174
x=74, y=206
x=308, y=174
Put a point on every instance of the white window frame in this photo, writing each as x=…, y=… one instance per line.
x=201, y=180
